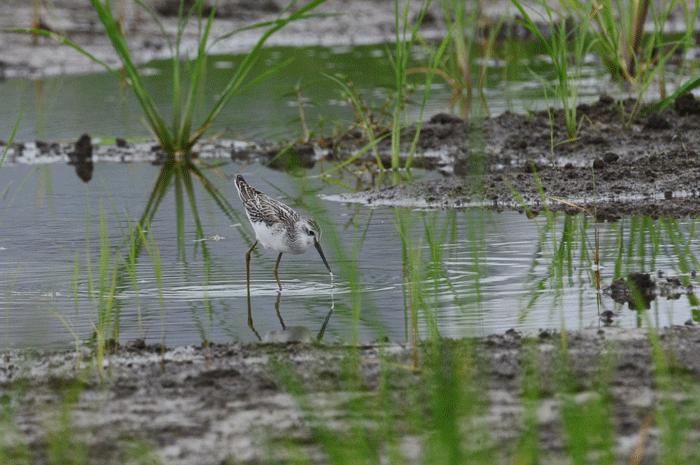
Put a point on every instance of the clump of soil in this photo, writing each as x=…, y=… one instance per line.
x=639, y=290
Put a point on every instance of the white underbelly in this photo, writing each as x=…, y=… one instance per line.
x=272, y=238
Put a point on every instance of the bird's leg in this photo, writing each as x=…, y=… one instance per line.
x=325, y=323
x=247, y=275
x=250, y=319
x=276, y=275
x=247, y=267
x=277, y=309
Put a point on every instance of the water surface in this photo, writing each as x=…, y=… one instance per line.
x=462, y=273
x=472, y=272
x=63, y=108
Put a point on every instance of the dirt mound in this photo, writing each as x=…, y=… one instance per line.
x=613, y=166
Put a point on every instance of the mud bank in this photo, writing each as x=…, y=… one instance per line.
x=236, y=403
x=341, y=23
x=614, y=166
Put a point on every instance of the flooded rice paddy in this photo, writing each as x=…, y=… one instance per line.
x=450, y=272
x=470, y=272
x=478, y=272
x=60, y=108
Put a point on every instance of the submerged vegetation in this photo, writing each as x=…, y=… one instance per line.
x=433, y=405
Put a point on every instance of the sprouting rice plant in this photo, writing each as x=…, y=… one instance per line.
x=179, y=137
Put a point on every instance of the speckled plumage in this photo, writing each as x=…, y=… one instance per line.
x=277, y=226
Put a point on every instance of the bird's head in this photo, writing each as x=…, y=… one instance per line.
x=310, y=231
x=310, y=234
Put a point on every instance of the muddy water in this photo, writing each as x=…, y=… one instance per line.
x=479, y=272
x=468, y=272
x=63, y=108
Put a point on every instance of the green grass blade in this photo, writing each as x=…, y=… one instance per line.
x=531, y=26
x=265, y=24
x=358, y=154
x=118, y=40
x=156, y=19
x=430, y=75
x=12, y=137
x=234, y=84
x=682, y=90
x=366, y=122
x=261, y=77
x=183, y=127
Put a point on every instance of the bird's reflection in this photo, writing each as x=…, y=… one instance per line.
x=291, y=333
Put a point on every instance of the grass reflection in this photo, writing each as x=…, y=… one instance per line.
x=564, y=265
x=437, y=288
x=179, y=175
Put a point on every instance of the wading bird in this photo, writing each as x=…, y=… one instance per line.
x=277, y=227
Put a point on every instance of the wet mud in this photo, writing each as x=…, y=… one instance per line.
x=612, y=167
x=233, y=403
x=339, y=23
x=638, y=290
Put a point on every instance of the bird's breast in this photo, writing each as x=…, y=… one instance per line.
x=275, y=238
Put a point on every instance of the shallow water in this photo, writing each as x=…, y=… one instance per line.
x=480, y=272
x=463, y=273
x=63, y=108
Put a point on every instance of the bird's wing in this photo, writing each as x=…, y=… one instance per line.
x=262, y=208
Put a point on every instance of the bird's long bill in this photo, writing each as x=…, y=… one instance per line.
x=320, y=252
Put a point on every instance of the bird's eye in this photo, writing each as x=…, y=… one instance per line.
x=311, y=232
